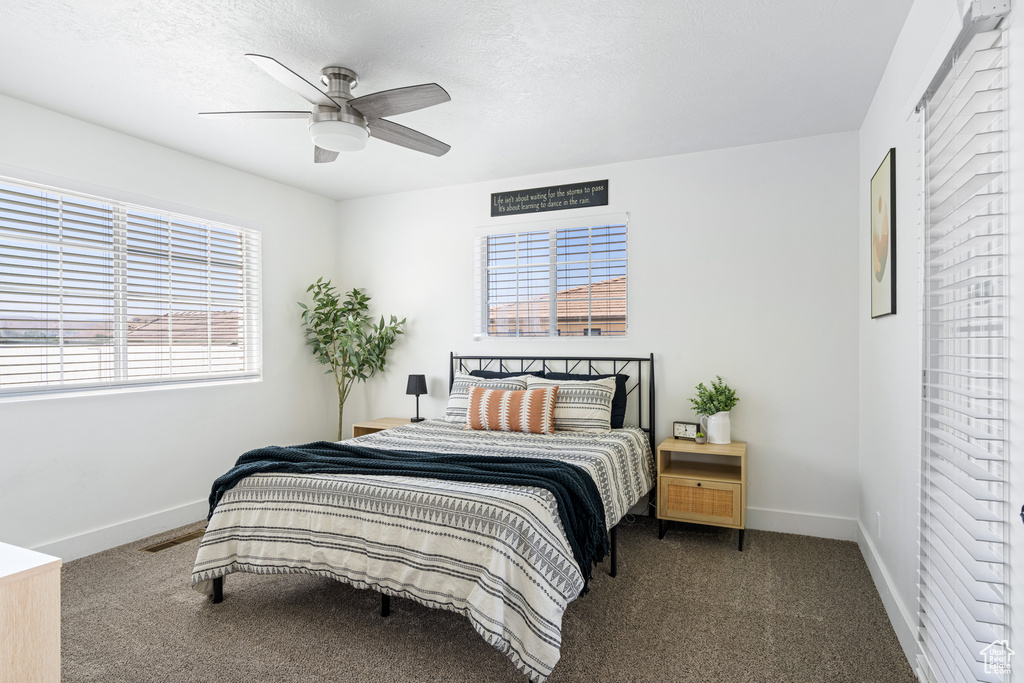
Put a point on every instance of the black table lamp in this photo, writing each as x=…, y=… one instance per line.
x=417, y=385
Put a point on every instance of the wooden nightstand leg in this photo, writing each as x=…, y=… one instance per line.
x=662, y=526
x=741, y=539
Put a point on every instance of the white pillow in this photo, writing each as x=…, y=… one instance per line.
x=458, y=397
x=581, y=406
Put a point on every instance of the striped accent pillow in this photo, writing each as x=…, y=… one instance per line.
x=458, y=397
x=581, y=406
x=531, y=411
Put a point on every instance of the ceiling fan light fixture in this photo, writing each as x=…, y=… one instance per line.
x=339, y=136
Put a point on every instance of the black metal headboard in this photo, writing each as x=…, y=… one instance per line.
x=639, y=388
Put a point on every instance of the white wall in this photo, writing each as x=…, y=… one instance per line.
x=890, y=349
x=81, y=474
x=743, y=263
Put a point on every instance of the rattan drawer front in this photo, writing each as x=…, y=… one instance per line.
x=693, y=500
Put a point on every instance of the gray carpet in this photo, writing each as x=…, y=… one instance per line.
x=687, y=608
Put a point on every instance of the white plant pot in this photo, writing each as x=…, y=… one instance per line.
x=717, y=427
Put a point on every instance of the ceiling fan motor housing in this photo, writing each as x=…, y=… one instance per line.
x=343, y=129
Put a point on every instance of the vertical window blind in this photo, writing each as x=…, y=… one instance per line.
x=964, y=486
x=563, y=281
x=96, y=293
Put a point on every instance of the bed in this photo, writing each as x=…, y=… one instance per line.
x=497, y=554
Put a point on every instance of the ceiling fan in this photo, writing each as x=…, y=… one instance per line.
x=340, y=122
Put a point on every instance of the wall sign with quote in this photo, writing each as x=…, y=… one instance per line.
x=555, y=198
x=883, y=237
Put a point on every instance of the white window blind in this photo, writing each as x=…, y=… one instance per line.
x=97, y=293
x=964, y=452
x=567, y=280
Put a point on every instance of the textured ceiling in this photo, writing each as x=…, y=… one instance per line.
x=536, y=86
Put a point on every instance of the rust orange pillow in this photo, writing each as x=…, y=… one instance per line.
x=527, y=410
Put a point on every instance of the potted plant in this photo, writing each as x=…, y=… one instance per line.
x=342, y=335
x=700, y=438
x=713, y=406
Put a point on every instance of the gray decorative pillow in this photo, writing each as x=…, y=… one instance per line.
x=618, y=401
x=580, y=406
x=458, y=398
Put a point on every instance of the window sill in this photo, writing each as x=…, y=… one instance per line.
x=62, y=393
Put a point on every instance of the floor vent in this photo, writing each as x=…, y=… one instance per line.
x=174, y=541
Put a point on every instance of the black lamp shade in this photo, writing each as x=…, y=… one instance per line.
x=417, y=385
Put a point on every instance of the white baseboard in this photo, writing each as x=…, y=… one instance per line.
x=90, y=542
x=903, y=622
x=823, y=526
x=765, y=519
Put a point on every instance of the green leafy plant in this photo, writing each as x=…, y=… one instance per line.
x=700, y=435
x=344, y=337
x=718, y=398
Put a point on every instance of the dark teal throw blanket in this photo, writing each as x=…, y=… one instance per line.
x=579, y=502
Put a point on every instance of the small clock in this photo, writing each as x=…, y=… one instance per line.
x=685, y=430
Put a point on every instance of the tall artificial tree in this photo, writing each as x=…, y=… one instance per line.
x=343, y=336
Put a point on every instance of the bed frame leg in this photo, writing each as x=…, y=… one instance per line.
x=218, y=590
x=615, y=563
x=385, y=605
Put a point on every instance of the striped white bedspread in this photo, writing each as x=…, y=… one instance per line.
x=496, y=554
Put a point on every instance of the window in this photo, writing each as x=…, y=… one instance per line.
x=557, y=281
x=964, y=485
x=96, y=293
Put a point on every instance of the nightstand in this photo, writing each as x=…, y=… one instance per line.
x=30, y=605
x=702, y=484
x=378, y=425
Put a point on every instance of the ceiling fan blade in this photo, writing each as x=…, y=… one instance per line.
x=292, y=80
x=323, y=156
x=256, y=114
x=399, y=100
x=396, y=134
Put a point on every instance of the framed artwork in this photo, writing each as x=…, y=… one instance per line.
x=883, y=237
